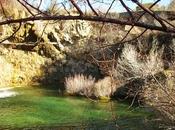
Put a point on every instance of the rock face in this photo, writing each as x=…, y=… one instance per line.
x=45, y=66
x=6, y=72
x=19, y=67
x=44, y=63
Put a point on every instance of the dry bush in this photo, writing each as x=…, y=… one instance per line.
x=132, y=65
x=86, y=86
x=162, y=97
x=105, y=87
x=80, y=85
x=158, y=88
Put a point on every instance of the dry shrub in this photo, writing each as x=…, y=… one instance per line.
x=158, y=88
x=130, y=65
x=79, y=84
x=86, y=86
x=104, y=87
x=162, y=98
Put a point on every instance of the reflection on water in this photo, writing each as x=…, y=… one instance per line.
x=38, y=108
x=7, y=92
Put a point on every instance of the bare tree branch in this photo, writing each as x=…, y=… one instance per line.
x=127, y=9
x=26, y=7
x=95, y=16
x=33, y=7
x=12, y=33
x=91, y=18
x=138, y=20
x=76, y=6
x=93, y=10
x=150, y=12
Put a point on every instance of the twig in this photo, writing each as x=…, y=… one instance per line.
x=137, y=20
x=35, y=8
x=3, y=9
x=76, y=6
x=65, y=8
x=93, y=10
x=26, y=7
x=40, y=4
x=127, y=9
x=13, y=33
x=151, y=13
x=106, y=15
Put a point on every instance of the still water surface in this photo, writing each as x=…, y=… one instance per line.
x=42, y=108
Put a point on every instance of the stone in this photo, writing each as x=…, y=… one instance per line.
x=6, y=72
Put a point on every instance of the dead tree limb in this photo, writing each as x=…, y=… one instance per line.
x=91, y=18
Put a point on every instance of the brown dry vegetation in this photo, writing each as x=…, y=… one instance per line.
x=148, y=79
x=80, y=84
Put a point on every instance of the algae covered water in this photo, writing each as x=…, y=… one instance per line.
x=42, y=108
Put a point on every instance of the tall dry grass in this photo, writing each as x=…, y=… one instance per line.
x=86, y=86
x=105, y=87
x=79, y=84
x=132, y=65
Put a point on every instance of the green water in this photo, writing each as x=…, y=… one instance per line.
x=38, y=108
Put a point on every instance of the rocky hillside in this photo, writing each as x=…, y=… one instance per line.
x=45, y=52
x=19, y=67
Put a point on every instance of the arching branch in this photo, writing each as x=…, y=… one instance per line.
x=91, y=18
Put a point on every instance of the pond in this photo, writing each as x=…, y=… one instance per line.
x=42, y=108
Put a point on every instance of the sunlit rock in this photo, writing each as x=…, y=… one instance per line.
x=78, y=28
x=6, y=72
